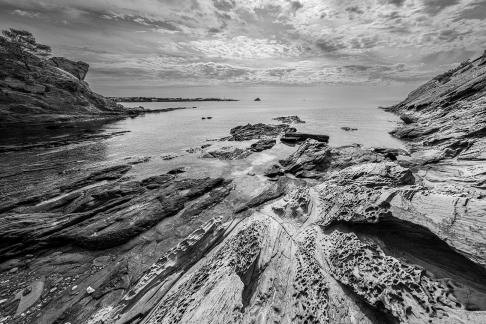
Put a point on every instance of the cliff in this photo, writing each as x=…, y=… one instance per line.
x=445, y=126
x=50, y=91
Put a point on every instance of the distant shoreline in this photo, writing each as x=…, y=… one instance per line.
x=156, y=99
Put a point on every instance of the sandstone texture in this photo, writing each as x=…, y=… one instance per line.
x=327, y=235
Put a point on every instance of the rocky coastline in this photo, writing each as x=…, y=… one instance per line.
x=53, y=93
x=327, y=235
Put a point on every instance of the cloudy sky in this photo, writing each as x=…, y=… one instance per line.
x=255, y=42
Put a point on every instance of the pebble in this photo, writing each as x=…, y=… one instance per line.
x=90, y=290
x=74, y=287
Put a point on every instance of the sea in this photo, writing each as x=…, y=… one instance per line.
x=325, y=110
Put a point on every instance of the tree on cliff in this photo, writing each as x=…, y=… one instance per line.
x=16, y=44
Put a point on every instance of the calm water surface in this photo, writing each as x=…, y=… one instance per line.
x=153, y=135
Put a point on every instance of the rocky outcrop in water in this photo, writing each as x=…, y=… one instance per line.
x=257, y=131
x=290, y=120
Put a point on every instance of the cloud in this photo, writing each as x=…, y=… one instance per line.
x=330, y=45
x=224, y=5
x=475, y=10
x=243, y=47
x=296, y=5
x=24, y=13
x=256, y=41
x=354, y=10
x=397, y=3
x=433, y=7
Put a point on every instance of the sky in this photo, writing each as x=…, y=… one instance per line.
x=181, y=43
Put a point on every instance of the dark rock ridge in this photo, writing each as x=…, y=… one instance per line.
x=294, y=137
x=342, y=234
x=51, y=91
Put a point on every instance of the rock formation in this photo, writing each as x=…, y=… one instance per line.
x=290, y=120
x=51, y=91
x=257, y=131
x=78, y=69
x=294, y=137
x=344, y=234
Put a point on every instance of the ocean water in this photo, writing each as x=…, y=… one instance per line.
x=323, y=114
x=325, y=111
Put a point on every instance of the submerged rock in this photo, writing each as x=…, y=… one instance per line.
x=169, y=156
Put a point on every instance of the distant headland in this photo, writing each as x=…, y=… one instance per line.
x=156, y=99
